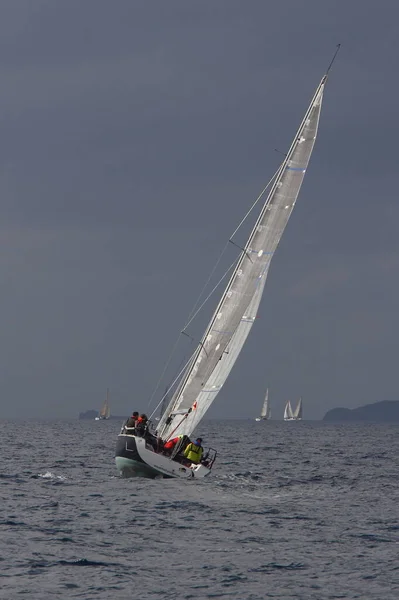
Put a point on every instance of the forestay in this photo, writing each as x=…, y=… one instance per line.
x=228, y=329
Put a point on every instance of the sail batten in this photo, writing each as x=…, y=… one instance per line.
x=234, y=316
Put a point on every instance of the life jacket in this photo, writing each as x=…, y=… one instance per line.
x=194, y=453
x=141, y=426
x=172, y=443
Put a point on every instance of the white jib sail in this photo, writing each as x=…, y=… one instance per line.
x=298, y=410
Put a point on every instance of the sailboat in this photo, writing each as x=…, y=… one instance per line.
x=265, y=413
x=297, y=415
x=105, y=411
x=288, y=414
x=293, y=415
x=207, y=369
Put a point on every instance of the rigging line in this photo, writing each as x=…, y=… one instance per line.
x=210, y=294
x=177, y=426
x=166, y=365
x=170, y=386
x=333, y=58
x=184, y=333
x=196, y=308
x=255, y=203
x=173, y=382
x=243, y=249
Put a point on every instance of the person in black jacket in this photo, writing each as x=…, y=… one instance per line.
x=131, y=422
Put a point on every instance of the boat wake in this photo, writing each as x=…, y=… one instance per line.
x=50, y=475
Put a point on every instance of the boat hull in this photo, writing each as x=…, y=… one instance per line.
x=135, y=458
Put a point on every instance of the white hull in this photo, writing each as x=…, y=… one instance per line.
x=135, y=458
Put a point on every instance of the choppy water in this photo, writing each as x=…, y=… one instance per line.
x=292, y=510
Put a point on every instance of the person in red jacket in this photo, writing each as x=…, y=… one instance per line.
x=141, y=425
x=170, y=444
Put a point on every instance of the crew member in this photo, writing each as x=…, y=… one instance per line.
x=131, y=422
x=141, y=425
x=194, y=451
x=170, y=444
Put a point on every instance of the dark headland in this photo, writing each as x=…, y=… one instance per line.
x=379, y=412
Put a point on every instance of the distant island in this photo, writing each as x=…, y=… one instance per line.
x=92, y=414
x=386, y=411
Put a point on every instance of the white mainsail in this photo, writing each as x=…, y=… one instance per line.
x=288, y=415
x=105, y=411
x=265, y=413
x=228, y=329
x=297, y=415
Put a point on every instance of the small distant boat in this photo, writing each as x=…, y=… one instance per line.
x=265, y=413
x=288, y=414
x=105, y=411
x=293, y=415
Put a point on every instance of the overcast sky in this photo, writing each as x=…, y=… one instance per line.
x=134, y=135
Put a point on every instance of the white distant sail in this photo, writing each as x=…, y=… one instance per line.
x=297, y=415
x=105, y=411
x=265, y=413
x=265, y=408
x=288, y=414
x=229, y=326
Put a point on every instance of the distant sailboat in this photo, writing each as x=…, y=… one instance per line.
x=105, y=411
x=298, y=411
x=293, y=415
x=265, y=413
x=288, y=414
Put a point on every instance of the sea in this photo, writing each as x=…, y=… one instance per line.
x=295, y=510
